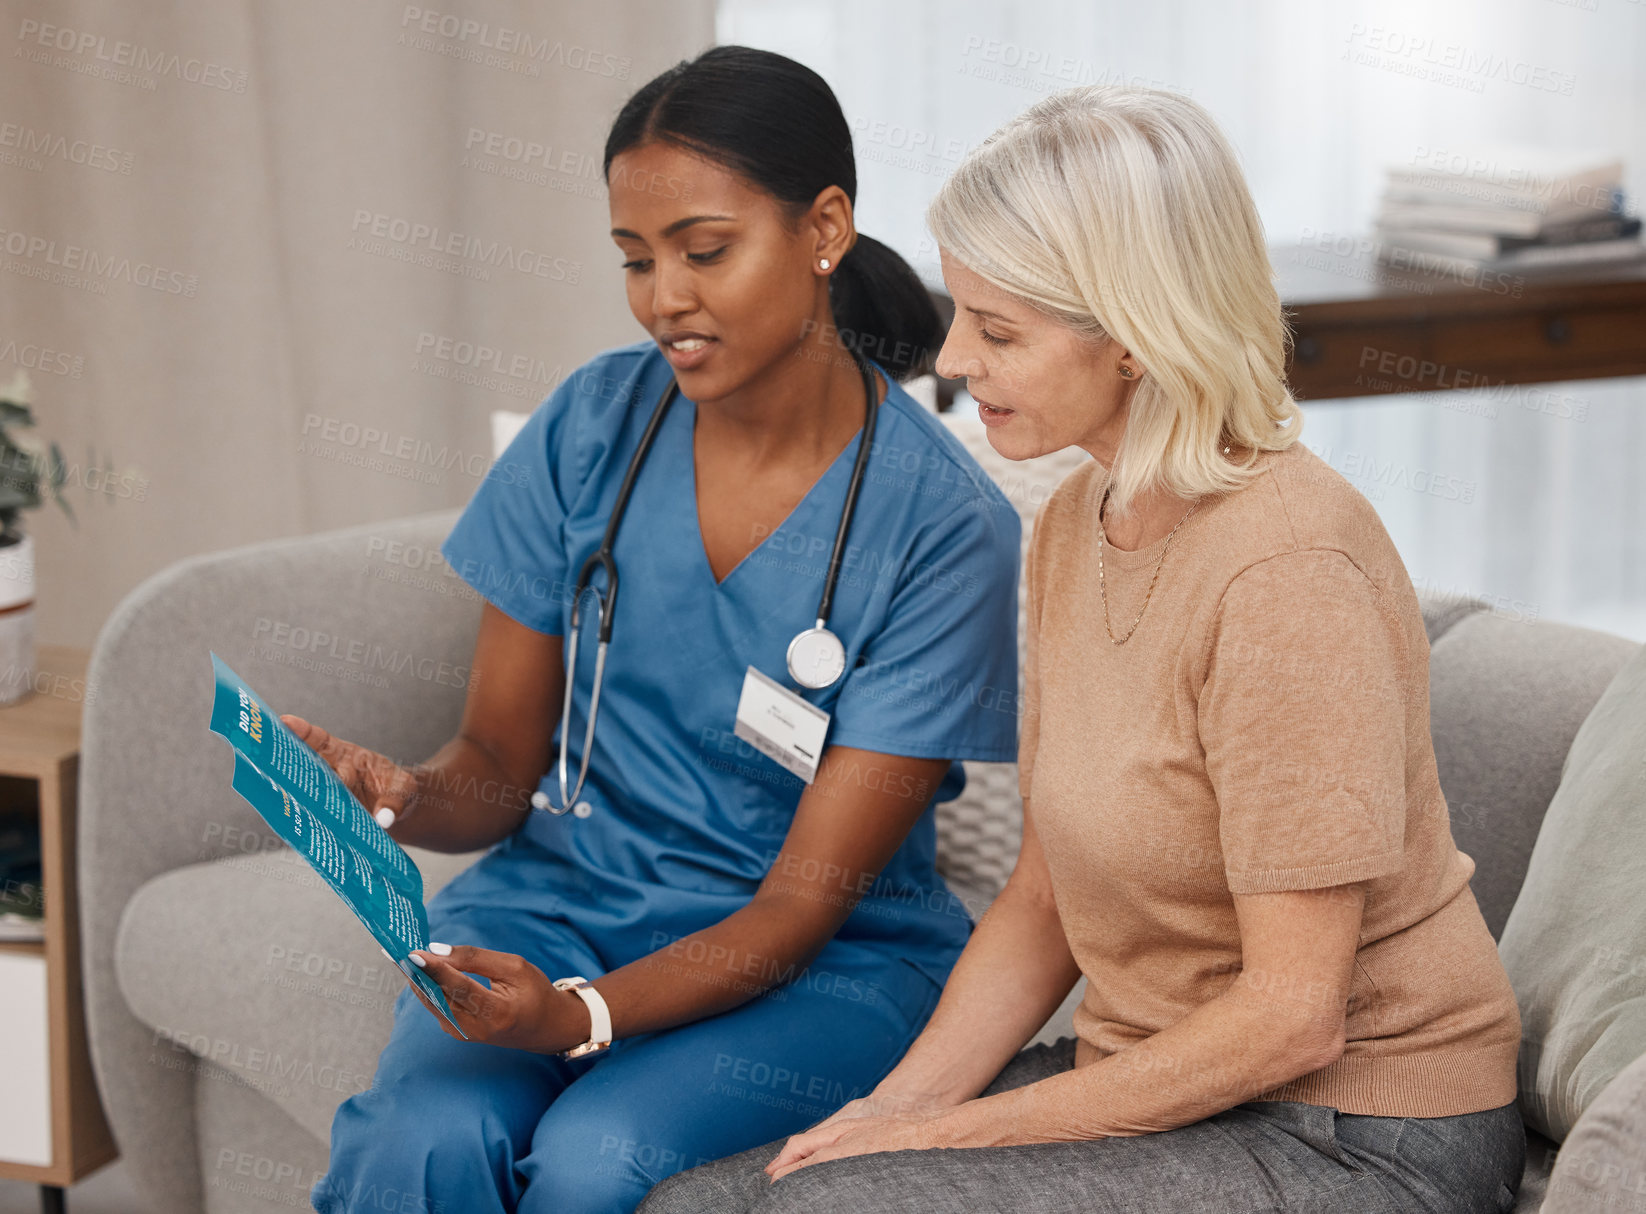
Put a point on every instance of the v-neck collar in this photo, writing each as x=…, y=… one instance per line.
x=847, y=453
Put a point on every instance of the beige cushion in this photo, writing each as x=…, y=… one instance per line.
x=1602, y=1163
x=1575, y=942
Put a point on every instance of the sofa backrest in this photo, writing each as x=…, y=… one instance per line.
x=1507, y=694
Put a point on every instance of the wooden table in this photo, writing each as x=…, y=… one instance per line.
x=39, y=773
x=1364, y=329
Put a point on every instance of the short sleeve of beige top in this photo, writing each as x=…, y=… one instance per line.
x=1265, y=728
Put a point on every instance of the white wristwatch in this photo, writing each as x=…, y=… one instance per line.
x=600, y=1017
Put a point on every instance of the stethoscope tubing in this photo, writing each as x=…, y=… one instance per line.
x=859, y=465
x=606, y=605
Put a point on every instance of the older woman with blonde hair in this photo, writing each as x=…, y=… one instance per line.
x=1233, y=823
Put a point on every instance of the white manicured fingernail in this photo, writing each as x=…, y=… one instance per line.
x=417, y=961
x=440, y=950
x=385, y=817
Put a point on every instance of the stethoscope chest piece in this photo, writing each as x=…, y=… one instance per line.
x=816, y=658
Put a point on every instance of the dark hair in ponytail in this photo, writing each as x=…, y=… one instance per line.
x=777, y=123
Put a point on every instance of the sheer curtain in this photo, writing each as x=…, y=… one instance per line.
x=1544, y=514
x=277, y=262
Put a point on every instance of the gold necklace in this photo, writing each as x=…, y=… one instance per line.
x=1103, y=592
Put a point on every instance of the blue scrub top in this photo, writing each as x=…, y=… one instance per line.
x=688, y=817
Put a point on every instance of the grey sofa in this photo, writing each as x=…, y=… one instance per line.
x=233, y=1002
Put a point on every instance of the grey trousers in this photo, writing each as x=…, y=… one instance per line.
x=1255, y=1158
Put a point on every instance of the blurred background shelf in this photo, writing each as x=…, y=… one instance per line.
x=52, y=1127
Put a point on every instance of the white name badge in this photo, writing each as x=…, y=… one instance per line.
x=780, y=725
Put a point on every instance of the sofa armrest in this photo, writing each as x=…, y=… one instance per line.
x=1602, y=1162
x=363, y=630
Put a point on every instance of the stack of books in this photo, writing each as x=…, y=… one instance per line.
x=1508, y=208
x=22, y=902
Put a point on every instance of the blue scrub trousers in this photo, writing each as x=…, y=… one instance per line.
x=454, y=1127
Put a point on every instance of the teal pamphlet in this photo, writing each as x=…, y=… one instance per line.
x=298, y=794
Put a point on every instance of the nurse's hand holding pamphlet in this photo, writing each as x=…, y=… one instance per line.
x=522, y=1008
x=326, y=822
x=387, y=789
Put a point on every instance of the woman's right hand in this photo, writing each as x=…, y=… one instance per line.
x=879, y=1104
x=889, y=1106
x=387, y=790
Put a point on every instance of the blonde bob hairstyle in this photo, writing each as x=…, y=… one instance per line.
x=1122, y=212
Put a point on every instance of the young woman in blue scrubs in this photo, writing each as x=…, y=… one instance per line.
x=767, y=948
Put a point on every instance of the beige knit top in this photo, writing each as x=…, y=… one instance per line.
x=1265, y=728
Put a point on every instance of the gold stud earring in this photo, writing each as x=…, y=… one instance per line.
x=1126, y=371
x=823, y=263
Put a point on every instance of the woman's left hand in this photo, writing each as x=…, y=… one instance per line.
x=521, y=1010
x=858, y=1136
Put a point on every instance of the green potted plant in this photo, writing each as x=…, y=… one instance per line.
x=26, y=473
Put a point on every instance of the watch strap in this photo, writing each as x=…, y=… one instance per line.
x=600, y=1017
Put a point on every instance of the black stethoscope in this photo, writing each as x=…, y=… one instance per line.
x=816, y=658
